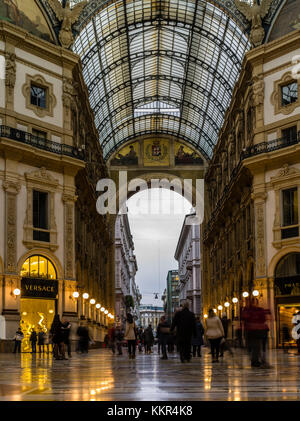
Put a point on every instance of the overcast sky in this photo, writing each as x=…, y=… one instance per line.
x=155, y=237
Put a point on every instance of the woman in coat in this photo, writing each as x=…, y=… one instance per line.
x=148, y=339
x=58, y=338
x=130, y=336
x=197, y=341
x=163, y=333
x=214, y=332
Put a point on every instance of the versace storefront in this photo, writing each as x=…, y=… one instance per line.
x=39, y=292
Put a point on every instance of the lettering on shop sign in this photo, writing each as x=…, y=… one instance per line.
x=39, y=288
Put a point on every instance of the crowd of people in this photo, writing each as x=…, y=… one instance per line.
x=185, y=334
x=58, y=338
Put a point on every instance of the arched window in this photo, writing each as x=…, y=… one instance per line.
x=287, y=275
x=38, y=267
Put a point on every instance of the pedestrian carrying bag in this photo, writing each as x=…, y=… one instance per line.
x=164, y=329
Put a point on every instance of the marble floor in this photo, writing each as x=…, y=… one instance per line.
x=101, y=376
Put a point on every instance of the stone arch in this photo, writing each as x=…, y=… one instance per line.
x=278, y=256
x=48, y=255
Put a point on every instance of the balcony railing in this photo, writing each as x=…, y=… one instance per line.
x=40, y=143
x=260, y=148
x=272, y=145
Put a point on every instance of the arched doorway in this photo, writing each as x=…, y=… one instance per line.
x=287, y=297
x=38, y=305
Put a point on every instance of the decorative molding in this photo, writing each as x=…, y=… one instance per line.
x=285, y=171
x=12, y=189
x=10, y=78
x=39, y=80
x=276, y=95
x=260, y=239
x=69, y=235
x=42, y=177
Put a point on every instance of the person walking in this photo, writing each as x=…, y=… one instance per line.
x=41, y=340
x=66, y=330
x=185, y=323
x=148, y=339
x=214, y=332
x=141, y=339
x=119, y=338
x=83, y=339
x=57, y=339
x=163, y=333
x=255, y=325
x=130, y=336
x=33, y=340
x=224, y=345
x=197, y=341
x=112, y=339
x=18, y=338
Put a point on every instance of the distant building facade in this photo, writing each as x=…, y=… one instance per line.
x=172, y=293
x=188, y=256
x=125, y=270
x=150, y=315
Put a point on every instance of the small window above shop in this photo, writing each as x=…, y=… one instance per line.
x=38, y=96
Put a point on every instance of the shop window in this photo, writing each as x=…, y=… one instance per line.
x=289, y=93
x=38, y=267
x=40, y=216
x=290, y=213
x=38, y=96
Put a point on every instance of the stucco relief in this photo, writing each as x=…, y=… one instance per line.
x=12, y=188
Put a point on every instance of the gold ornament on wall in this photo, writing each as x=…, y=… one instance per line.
x=68, y=17
x=255, y=14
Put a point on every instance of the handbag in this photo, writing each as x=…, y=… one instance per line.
x=222, y=341
x=164, y=329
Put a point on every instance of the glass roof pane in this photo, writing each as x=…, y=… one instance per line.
x=164, y=66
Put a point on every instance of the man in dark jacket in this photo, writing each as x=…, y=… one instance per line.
x=185, y=323
x=33, y=340
x=163, y=333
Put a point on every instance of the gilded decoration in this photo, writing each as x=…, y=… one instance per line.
x=40, y=81
x=43, y=180
x=156, y=153
x=67, y=17
x=276, y=95
x=127, y=156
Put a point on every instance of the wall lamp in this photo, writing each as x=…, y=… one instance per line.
x=85, y=295
x=92, y=301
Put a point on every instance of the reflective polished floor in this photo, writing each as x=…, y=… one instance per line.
x=101, y=376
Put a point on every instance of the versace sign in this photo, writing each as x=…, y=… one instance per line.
x=39, y=288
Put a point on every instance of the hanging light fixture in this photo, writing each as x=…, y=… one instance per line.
x=92, y=301
x=85, y=295
x=235, y=300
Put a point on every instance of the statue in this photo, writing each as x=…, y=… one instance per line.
x=255, y=14
x=68, y=17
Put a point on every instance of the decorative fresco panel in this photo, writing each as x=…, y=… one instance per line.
x=27, y=15
x=127, y=156
x=186, y=156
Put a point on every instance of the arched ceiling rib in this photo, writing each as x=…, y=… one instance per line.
x=182, y=53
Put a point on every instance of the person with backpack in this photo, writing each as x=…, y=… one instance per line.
x=130, y=336
x=163, y=333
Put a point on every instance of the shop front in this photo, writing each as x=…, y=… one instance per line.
x=287, y=298
x=39, y=290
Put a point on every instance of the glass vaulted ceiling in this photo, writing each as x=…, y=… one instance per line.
x=154, y=55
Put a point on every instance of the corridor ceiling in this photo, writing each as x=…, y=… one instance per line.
x=161, y=67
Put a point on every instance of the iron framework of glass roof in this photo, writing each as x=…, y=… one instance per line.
x=183, y=54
